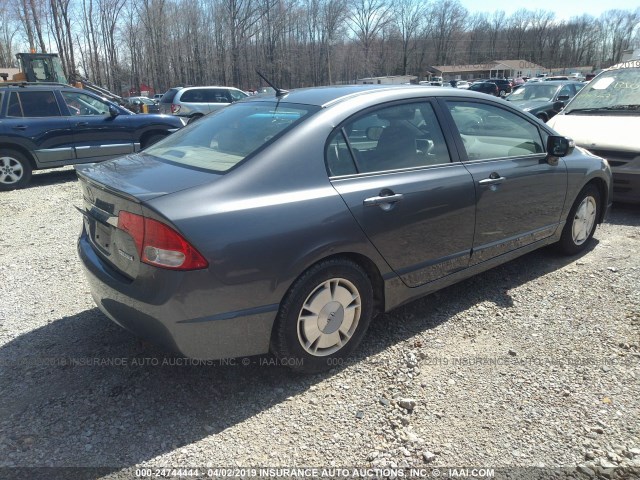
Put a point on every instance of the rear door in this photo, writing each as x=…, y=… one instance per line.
x=34, y=120
x=519, y=194
x=416, y=204
x=97, y=135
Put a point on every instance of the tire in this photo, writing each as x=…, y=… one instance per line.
x=542, y=117
x=194, y=118
x=323, y=317
x=15, y=170
x=503, y=93
x=153, y=139
x=581, y=222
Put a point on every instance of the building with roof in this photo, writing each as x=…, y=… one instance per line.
x=494, y=69
x=388, y=80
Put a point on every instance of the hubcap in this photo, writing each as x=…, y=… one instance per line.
x=329, y=317
x=11, y=170
x=584, y=220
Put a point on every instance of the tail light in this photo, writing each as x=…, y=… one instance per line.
x=175, y=108
x=160, y=245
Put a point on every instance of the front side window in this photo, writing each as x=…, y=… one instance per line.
x=394, y=137
x=33, y=104
x=237, y=95
x=223, y=139
x=83, y=104
x=489, y=132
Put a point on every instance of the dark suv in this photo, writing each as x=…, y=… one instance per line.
x=504, y=85
x=52, y=125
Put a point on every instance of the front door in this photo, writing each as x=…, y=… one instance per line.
x=519, y=194
x=96, y=133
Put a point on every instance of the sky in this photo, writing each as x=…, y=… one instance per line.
x=564, y=9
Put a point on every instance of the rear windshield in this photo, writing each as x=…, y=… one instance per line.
x=223, y=139
x=612, y=92
x=169, y=95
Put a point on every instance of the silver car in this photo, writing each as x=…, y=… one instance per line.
x=194, y=102
x=286, y=223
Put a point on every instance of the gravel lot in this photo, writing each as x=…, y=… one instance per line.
x=535, y=363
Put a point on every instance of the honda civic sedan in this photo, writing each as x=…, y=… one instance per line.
x=285, y=223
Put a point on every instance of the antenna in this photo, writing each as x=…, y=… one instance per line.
x=279, y=91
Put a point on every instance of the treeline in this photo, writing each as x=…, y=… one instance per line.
x=163, y=43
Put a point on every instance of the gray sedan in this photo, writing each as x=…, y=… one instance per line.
x=286, y=223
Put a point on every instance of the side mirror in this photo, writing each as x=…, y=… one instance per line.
x=559, y=146
x=113, y=111
x=563, y=98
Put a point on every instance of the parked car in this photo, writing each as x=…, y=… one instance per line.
x=485, y=87
x=46, y=126
x=462, y=84
x=504, y=85
x=157, y=97
x=604, y=117
x=544, y=99
x=194, y=102
x=135, y=104
x=287, y=223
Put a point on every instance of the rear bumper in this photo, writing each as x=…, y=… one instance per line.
x=176, y=312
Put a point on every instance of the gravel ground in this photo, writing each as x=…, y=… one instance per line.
x=534, y=363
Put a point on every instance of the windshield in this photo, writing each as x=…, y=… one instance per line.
x=534, y=91
x=223, y=139
x=615, y=90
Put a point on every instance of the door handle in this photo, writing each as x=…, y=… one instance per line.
x=493, y=179
x=82, y=124
x=382, y=200
x=20, y=127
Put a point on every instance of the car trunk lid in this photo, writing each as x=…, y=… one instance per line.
x=125, y=184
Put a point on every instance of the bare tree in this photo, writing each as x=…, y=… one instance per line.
x=367, y=18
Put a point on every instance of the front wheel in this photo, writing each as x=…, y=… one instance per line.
x=324, y=316
x=581, y=222
x=15, y=170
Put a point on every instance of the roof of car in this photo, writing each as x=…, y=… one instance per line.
x=35, y=85
x=552, y=82
x=326, y=96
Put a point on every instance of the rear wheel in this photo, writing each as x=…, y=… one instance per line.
x=582, y=221
x=324, y=316
x=15, y=170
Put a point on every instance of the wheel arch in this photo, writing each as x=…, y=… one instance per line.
x=24, y=151
x=364, y=262
x=601, y=185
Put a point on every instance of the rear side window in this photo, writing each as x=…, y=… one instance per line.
x=393, y=137
x=33, y=104
x=169, y=95
x=196, y=95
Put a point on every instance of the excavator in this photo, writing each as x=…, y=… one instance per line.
x=47, y=68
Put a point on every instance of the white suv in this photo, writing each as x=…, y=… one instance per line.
x=194, y=102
